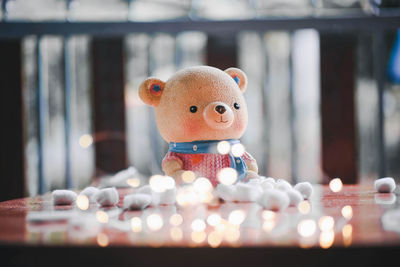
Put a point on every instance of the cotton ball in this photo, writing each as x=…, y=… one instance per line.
x=274, y=199
x=63, y=197
x=267, y=184
x=167, y=197
x=270, y=180
x=295, y=197
x=247, y=192
x=137, y=201
x=385, y=185
x=305, y=189
x=226, y=192
x=90, y=193
x=107, y=196
x=255, y=181
x=283, y=185
x=144, y=190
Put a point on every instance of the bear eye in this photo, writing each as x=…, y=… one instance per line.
x=236, y=106
x=193, y=109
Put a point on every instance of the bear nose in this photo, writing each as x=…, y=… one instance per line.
x=220, y=109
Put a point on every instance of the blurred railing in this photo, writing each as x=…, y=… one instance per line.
x=100, y=52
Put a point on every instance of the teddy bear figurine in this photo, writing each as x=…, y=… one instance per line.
x=195, y=109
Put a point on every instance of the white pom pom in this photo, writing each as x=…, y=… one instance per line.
x=168, y=197
x=294, y=197
x=305, y=189
x=274, y=199
x=137, y=201
x=265, y=185
x=63, y=197
x=107, y=196
x=283, y=185
x=90, y=192
x=226, y=192
x=146, y=189
x=270, y=179
x=385, y=185
x=247, y=192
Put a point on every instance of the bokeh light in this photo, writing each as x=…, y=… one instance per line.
x=176, y=234
x=198, y=225
x=237, y=150
x=306, y=228
x=214, y=239
x=82, y=202
x=188, y=176
x=134, y=182
x=202, y=185
x=223, y=147
x=268, y=215
x=326, y=223
x=326, y=239
x=101, y=216
x=176, y=219
x=336, y=185
x=214, y=219
x=85, y=140
x=102, y=239
x=304, y=207
x=136, y=224
x=347, y=233
x=154, y=222
x=347, y=212
x=227, y=176
x=198, y=236
x=236, y=217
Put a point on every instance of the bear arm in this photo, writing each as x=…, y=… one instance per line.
x=172, y=166
x=250, y=162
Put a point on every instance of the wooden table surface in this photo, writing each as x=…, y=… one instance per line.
x=78, y=238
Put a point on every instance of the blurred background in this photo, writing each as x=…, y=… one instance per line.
x=323, y=94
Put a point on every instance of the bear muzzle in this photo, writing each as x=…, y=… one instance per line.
x=218, y=115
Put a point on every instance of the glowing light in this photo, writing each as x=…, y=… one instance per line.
x=223, y=147
x=304, y=207
x=238, y=150
x=227, y=176
x=222, y=226
x=159, y=183
x=306, y=228
x=214, y=219
x=187, y=196
x=136, y=224
x=85, y=140
x=326, y=239
x=268, y=215
x=198, y=237
x=335, y=185
x=347, y=212
x=134, y=182
x=214, y=239
x=232, y=234
x=102, y=239
x=236, y=217
x=202, y=185
x=347, y=233
x=101, y=216
x=176, y=219
x=154, y=222
x=268, y=225
x=326, y=223
x=198, y=225
x=188, y=177
x=176, y=234
x=82, y=202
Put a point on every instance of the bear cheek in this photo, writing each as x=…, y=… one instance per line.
x=191, y=127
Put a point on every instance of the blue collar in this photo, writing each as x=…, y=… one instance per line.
x=210, y=147
x=199, y=147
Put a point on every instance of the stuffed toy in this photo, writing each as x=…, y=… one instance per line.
x=197, y=108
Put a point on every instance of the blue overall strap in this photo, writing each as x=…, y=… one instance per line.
x=210, y=147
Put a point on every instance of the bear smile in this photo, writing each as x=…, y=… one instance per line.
x=221, y=121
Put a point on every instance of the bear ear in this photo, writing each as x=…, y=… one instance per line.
x=239, y=76
x=150, y=91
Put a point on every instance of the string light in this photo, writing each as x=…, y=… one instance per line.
x=154, y=222
x=82, y=202
x=198, y=225
x=326, y=223
x=188, y=176
x=236, y=217
x=347, y=212
x=176, y=234
x=102, y=239
x=306, y=228
x=85, y=140
x=336, y=185
x=304, y=207
x=176, y=219
x=223, y=147
x=134, y=182
x=237, y=150
x=101, y=216
x=136, y=224
x=227, y=176
x=214, y=219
